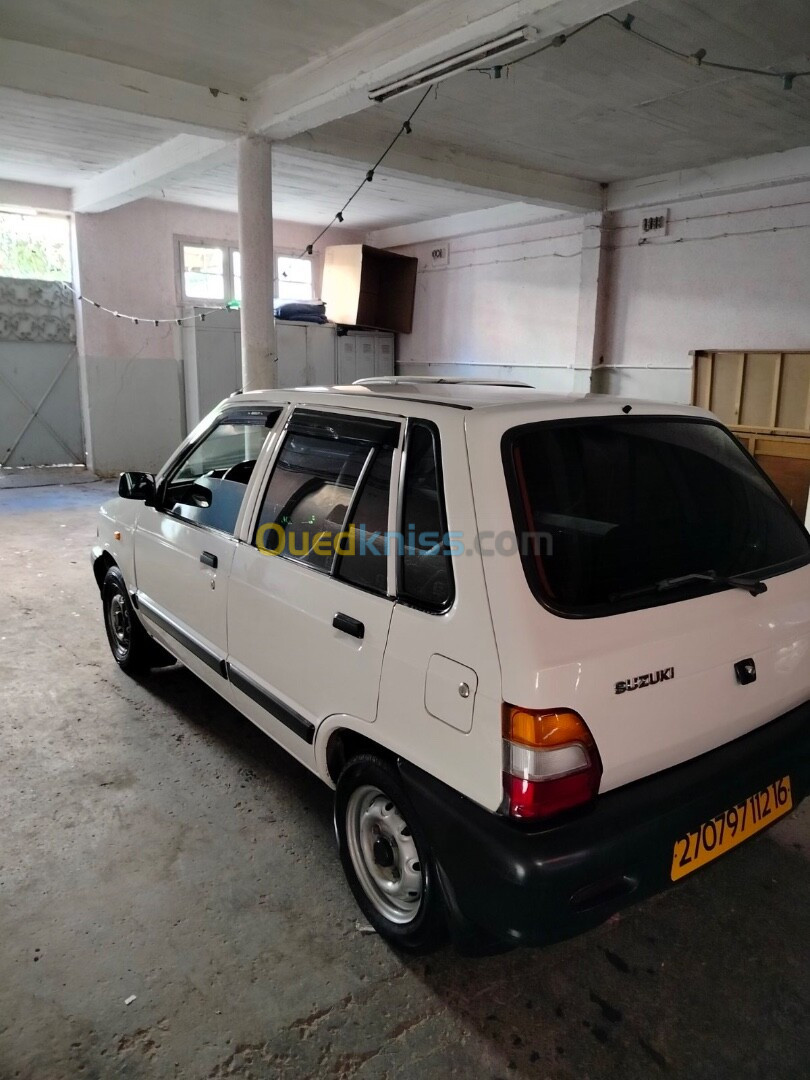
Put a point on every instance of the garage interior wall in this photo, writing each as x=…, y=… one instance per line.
x=731, y=273
x=505, y=306
x=133, y=408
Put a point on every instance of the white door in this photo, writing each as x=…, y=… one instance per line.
x=184, y=546
x=308, y=612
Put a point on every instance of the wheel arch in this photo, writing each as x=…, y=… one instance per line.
x=341, y=738
x=101, y=565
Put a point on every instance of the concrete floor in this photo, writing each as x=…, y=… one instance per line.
x=154, y=843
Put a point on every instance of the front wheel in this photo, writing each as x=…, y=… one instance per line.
x=133, y=649
x=386, y=857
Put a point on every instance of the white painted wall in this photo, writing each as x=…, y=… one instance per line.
x=36, y=196
x=505, y=305
x=732, y=273
x=127, y=261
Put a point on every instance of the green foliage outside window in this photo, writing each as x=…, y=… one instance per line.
x=34, y=246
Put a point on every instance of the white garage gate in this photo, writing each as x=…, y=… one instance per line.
x=40, y=412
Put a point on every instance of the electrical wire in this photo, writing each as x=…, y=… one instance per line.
x=697, y=59
x=136, y=319
x=404, y=129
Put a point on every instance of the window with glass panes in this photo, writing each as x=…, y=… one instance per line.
x=213, y=272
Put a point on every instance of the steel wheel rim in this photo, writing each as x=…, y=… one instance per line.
x=119, y=622
x=384, y=855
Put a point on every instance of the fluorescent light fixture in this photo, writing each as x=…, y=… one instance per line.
x=443, y=69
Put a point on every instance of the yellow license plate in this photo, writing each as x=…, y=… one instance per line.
x=730, y=828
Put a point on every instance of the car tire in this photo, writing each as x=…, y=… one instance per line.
x=386, y=856
x=134, y=651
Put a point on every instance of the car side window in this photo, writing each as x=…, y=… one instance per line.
x=208, y=485
x=364, y=561
x=312, y=493
x=425, y=571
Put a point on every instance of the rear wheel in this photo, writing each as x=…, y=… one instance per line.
x=386, y=856
x=133, y=649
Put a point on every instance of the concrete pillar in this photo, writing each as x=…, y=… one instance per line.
x=255, y=185
x=593, y=300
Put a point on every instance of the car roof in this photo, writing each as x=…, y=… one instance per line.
x=466, y=394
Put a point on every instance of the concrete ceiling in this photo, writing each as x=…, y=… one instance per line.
x=608, y=106
x=310, y=191
x=605, y=107
x=50, y=141
x=232, y=45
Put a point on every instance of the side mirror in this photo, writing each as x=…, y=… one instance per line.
x=137, y=485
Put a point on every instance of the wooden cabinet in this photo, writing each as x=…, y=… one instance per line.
x=369, y=287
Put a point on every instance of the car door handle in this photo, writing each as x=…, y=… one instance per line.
x=209, y=560
x=348, y=625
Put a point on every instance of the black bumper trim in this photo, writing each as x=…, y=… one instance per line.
x=534, y=885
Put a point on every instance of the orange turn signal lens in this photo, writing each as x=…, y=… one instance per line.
x=544, y=727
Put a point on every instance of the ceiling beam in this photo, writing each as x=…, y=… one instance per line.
x=446, y=166
x=468, y=223
x=54, y=73
x=338, y=84
x=142, y=176
x=725, y=178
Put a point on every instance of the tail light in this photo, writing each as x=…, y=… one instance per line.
x=550, y=762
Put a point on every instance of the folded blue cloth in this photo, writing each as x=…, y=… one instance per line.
x=301, y=309
x=317, y=320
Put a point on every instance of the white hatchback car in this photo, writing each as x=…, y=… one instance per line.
x=552, y=653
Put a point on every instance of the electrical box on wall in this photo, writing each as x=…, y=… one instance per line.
x=654, y=223
x=438, y=255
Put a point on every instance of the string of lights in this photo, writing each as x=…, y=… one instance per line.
x=497, y=71
x=696, y=59
x=404, y=129
x=699, y=58
x=137, y=319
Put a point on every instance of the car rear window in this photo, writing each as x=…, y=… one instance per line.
x=609, y=506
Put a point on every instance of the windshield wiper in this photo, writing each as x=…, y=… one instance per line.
x=737, y=581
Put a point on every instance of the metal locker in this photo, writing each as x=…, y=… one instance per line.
x=320, y=356
x=291, y=343
x=346, y=359
x=366, y=355
x=384, y=355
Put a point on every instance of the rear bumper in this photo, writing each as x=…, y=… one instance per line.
x=534, y=886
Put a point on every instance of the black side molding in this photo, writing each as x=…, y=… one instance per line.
x=216, y=663
x=286, y=716
x=298, y=724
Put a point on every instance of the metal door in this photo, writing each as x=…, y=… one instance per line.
x=40, y=413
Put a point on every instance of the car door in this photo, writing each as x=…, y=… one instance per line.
x=185, y=543
x=440, y=691
x=310, y=598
